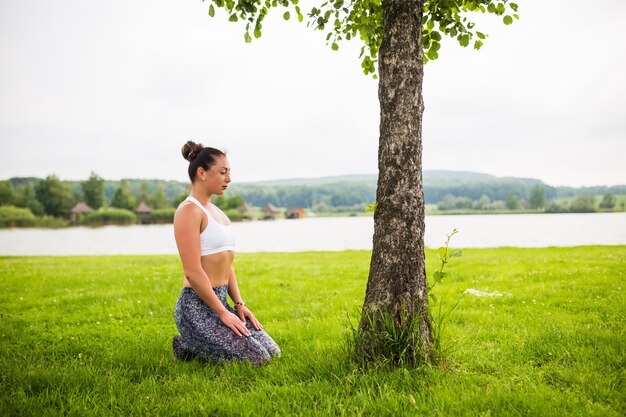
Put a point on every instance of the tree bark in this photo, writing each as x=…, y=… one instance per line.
x=397, y=276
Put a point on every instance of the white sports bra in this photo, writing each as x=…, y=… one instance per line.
x=216, y=237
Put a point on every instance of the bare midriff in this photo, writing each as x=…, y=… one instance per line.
x=217, y=267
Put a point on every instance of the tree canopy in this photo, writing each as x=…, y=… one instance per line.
x=363, y=20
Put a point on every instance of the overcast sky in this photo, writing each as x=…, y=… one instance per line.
x=117, y=87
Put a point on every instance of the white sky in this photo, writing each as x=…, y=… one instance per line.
x=118, y=87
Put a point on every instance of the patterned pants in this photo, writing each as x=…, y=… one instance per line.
x=205, y=336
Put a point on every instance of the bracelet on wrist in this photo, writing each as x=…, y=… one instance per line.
x=239, y=303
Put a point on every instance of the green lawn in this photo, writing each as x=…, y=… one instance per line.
x=92, y=336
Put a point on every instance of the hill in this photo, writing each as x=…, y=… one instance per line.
x=353, y=191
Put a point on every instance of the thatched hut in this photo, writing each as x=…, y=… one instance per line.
x=294, y=213
x=245, y=209
x=78, y=211
x=144, y=213
x=269, y=211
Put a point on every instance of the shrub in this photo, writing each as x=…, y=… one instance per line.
x=555, y=207
x=51, y=221
x=163, y=216
x=234, y=215
x=608, y=201
x=11, y=216
x=583, y=204
x=110, y=216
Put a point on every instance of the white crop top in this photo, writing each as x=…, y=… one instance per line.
x=216, y=237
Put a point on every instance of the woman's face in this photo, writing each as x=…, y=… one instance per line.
x=217, y=177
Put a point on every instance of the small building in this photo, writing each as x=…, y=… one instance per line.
x=78, y=211
x=144, y=213
x=294, y=213
x=269, y=211
x=245, y=209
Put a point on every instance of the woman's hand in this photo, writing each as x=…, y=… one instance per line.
x=234, y=323
x=243, y=312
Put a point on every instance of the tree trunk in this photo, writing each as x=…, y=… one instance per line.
x=397, y=277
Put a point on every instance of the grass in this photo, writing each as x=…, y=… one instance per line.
x=92, y=336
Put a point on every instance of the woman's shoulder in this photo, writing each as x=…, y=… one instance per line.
x=187, y=209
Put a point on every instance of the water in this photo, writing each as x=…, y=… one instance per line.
x=328, y=233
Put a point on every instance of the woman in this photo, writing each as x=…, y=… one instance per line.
x=209, y=328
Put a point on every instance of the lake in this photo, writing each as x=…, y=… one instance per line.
x=329, y=234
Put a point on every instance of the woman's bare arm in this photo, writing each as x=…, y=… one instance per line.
x=187, y=221
x=242, y=310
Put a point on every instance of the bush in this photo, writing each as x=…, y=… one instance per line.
x=583, y=204
x=234, y=215
x=555, y=207
x=51, y=221
x=608, y=201
x=11, y=216
x=163, y=216
x=110, y=216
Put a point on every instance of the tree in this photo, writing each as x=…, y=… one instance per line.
x=144, y=195
x=25, y=197
x=55, y=196
x=93, y=190
x=228, y=202
x=123, y=198
x=7, y=194
x=483, y=202
x=158, y=200
x=399, y=36
x=512, y=202
x=608, y=201
x=583, y=204
x=537, y=198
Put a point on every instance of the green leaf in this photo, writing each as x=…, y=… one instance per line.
x=500, y=8
x=233, y=18
x=480, y=35
x=286, y=15
x=435, y=35
x=441, y=252
x=211, y=11
x=464, y=40
x=507, y=20
x=300, y=17
x=432, y=54
x=456, y=253
x=491, y=8
x=372, y=207
x=478, y=44
x=439, y=276
x=334, y=46
x=247, y=37
x=513, y=6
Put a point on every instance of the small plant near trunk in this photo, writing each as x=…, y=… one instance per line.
x=391, y=337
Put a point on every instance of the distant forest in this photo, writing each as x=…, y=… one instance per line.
x=349, y=192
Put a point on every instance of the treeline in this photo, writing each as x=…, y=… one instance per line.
x=48, y=202
x=538, y=201
x=340, y=196
x=453, y=192
x=55, y=197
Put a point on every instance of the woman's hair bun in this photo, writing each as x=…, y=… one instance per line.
x=191, y=149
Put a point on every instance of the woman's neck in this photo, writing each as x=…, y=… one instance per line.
x=203, y=198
